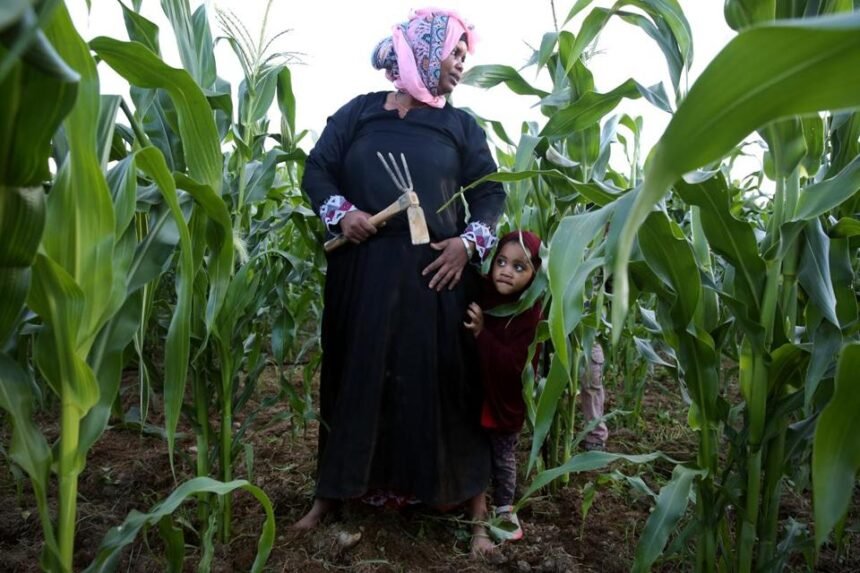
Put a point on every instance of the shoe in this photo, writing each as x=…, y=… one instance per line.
x=594, y=446
x=507, y=525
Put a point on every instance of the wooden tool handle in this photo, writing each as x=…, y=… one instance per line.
x=376, y=220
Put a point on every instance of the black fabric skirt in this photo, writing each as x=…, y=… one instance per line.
x=400, y=395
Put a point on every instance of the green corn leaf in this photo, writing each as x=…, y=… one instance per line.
x=845, y=228
x=730, y=237
x=814, y=272
x=787, y=144
x=646, y=350
x=490, y=76
x=108, y=107
x=671, y=257
x=569, y=267
x=221, y=242
x=60, y=302
x=588, y=110
x=595, y=192
x=28, y=448
x=196, y=123
x=140, y=29
x=157, y=116
x=29, y=123
x=194, y=40
x=590, y=29
x=665, y=41
x=586, y=462
x=254, y=102
x=826, y=344
x=576, y=9
x=110, y=550
x=174, y=539
x=743, y=13
x=813, y=134
x=22, y=218
x=154, y=251
x=80, y=223
x=11, y=12
x=700, y=362
x=670, y=507
x=844, y=139
x=546, y=50
x=780, y=61
x=107, y=361
x=836, y=451
x=287, y=105
x=669, y=15
x=178, y=345
x=819, y=198
x=842, y=274
x=557, y=380
x=122, y=182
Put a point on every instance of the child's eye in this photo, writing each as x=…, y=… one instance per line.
x=520, y=268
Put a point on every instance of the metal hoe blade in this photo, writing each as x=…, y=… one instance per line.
x=401, y=182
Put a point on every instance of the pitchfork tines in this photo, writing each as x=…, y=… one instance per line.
x=401, y=182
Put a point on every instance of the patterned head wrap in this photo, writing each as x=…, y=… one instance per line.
x=412, y=56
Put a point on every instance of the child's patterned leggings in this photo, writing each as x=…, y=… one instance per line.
x=504, y=450
x=591, y=396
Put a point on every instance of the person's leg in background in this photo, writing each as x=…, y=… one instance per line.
x=592, y=397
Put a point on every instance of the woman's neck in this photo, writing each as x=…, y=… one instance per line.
x=402, y=102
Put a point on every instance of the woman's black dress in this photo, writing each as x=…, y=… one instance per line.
x=400, y=396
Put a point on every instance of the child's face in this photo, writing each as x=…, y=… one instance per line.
x=512, y=270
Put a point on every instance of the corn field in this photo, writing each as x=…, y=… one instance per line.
x=161, y=274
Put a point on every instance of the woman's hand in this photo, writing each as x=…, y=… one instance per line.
x=475, y=324
x=356, y=227
x=448, y=265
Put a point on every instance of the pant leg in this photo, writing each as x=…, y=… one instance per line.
x=592, y=396
x=504, y=456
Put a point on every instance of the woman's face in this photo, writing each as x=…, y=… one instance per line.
x=512, y=270
x=452, y=69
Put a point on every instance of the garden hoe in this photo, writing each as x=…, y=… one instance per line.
x=408, y=202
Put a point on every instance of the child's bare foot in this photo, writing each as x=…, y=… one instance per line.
x=312, y=518
x=482, y=545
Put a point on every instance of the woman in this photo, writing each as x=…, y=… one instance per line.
x=399, y=395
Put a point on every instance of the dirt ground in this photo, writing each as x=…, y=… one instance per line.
x=129, y=470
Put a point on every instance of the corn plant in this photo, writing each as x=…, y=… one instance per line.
x=562, y=186
x=780, y=378
x=86, y=258
x=84, y=274
x=236, y=193
x=760, y=290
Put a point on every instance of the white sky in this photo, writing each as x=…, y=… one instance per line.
x=336, y=38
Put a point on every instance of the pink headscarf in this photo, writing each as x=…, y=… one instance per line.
x=412, y=56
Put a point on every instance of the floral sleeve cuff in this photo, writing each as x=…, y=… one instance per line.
x=334, y=209
x=481, y=235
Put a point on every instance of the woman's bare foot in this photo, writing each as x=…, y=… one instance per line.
x=312, y=518
x=482, y=545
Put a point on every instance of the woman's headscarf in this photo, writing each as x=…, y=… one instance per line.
x=412, y=56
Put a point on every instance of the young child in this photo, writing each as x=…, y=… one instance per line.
x=503, y=344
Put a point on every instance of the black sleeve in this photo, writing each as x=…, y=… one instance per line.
x=321, y=179
x=487, y=200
